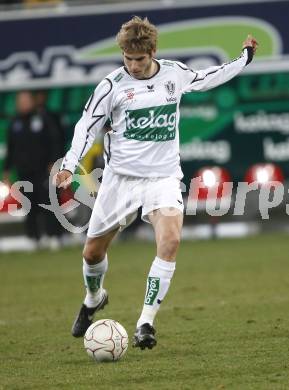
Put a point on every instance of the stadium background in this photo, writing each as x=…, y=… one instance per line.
x=69, y=49
x=224, y=323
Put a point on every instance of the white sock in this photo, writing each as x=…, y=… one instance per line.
x=93, y=279
x=158, y=283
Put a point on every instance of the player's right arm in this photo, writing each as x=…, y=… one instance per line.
x=95, y=114
x=63, y=179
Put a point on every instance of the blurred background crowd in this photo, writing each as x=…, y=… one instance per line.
x=51, y=63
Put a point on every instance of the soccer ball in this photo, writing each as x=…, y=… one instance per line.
x=106, y=341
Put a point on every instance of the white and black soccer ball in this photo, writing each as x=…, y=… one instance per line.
x=106, y=341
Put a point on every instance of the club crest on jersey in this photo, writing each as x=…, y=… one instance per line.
x=170, y=87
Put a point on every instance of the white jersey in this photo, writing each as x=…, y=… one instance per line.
x=144, y=116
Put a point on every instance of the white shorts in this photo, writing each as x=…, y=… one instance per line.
x=120, y=197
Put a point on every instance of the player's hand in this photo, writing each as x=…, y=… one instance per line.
x=250, y=41
x=62, y=179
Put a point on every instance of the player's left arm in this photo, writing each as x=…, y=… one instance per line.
x=213, y=76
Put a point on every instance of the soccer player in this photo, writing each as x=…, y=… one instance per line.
x=142, y=169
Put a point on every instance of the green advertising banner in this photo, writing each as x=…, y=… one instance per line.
x=236, y=125
x=243, y=122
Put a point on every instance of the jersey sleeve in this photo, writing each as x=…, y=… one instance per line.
x=95, y=114
x=205, y=79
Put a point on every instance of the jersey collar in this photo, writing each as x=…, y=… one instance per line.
x=148, y=78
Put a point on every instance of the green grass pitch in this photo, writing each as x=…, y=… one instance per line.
x=223, y=325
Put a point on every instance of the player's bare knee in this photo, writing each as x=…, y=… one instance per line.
x=168, y=245
x=93, y=254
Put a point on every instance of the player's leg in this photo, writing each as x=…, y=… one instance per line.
x=110, y=213
x=95, y=265
x=167, y=224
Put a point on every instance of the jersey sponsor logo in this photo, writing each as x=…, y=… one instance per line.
x=153, y=286
x=152, y=123
x=130, y=95
x=171, y=99
x=150, y=88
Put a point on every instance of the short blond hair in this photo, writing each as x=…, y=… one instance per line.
x=137, y=36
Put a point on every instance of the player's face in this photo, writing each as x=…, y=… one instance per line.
x=139, y=65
